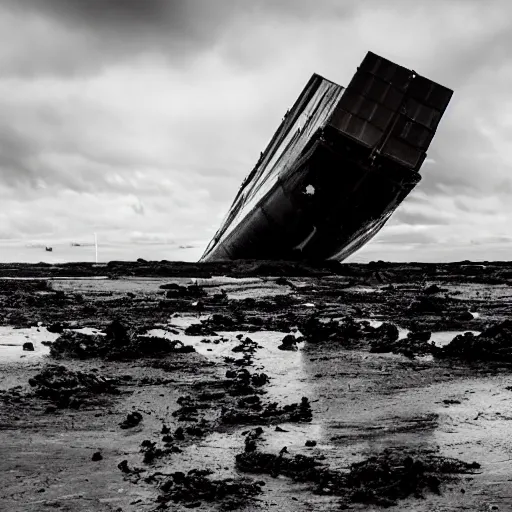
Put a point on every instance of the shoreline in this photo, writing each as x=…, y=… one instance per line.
x=361, y=402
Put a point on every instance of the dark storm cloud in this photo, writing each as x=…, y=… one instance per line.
x=82, y=36
x=77, y=36
x=187, y=18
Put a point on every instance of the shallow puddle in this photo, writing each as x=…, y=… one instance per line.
x=12, y=340
x=442, y=338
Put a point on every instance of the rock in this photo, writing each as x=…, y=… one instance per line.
x=289, y=342
x=28, y=346
x=428, y=304
x=96, y=456
x=117, y=334
x=152, y=452
x=195, y=431
x=199, y=330
x=123, y=466
x=57, y=328
x=132, y=420
x=493, y=344
x=310, y=444
x=176, y=291
x=432, y=289
x=246, y=346
x=387, y=331
x=74, y=403
x=465, y=316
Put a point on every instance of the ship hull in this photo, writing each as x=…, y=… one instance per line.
x=339, y=165
x=326, y=207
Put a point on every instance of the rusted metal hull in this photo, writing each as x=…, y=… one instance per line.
x=338, y=166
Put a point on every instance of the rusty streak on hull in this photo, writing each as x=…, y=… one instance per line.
x=336, y=169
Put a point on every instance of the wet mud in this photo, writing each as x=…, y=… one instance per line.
x=257, y=385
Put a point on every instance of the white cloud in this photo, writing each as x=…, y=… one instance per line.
x=153, y=137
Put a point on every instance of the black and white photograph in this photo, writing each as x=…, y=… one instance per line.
x=255, y=255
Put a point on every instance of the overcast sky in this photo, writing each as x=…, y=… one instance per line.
x=138, y=119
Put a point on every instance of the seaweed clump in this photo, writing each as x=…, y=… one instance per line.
x=69, y=389
x=416, y=343
x=349, y=333
x=118, y=343
x=493, y=344
x=381, y=480
x=251, y=411
x=195, y=487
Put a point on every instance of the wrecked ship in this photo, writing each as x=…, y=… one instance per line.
x=340, y=163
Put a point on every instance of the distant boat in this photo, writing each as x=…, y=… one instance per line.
x=74, y=244
x=49, y=249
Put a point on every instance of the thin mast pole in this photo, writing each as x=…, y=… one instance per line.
x=96, y=246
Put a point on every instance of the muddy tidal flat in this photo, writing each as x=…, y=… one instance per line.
x=256, y=386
